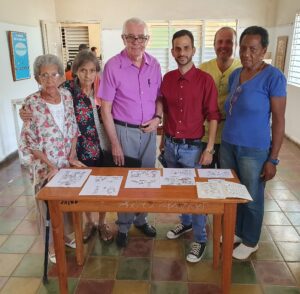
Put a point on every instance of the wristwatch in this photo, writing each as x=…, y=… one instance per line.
x=273, y=161
x=212, y=151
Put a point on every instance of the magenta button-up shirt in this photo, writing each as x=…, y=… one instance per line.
x=133, y=91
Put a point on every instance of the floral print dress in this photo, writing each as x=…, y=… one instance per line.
x=88, y=144
x=42, y=133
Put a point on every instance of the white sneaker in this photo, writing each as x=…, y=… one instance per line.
x=236, y=239
x=243, y=252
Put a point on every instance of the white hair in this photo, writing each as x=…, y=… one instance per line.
x=136, y=21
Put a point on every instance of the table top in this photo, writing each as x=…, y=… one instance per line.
x=165, y=193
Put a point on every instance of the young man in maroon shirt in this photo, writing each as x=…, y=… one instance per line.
x=189, y=98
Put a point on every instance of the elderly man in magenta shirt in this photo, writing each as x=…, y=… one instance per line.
x=131, y=111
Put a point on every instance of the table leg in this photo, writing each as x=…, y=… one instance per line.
x=228, y=234
x=77, y=217
x=57, y=222
x=217, y=223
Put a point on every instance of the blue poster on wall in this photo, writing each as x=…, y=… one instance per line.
x=19, y=55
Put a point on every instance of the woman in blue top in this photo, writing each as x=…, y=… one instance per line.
x=250, y=144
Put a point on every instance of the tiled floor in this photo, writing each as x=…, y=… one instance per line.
x=153, y=266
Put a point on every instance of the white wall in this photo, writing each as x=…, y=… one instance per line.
x=14, y=89
x=113, y=13
x=16, y=15
x=284, y=27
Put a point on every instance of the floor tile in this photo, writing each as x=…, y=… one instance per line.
x=169, y=249
x=7, y=226
x=30, y=266
x=275, y=218
x=167, y=218
x=93, y=286
x=73, y=269
x=276, y=185
x=169, y=287
x=267, y=251
x=17, y=244
x=265, y=234
x=203, y=272
x=294, y=218
x=102, y=249
x=195, y=288
x=271, y=205
x=26, y=201
x=3, y=238
x=132, y=287
x=13, y=213
x=166, y=269
x=133, y=269
x=26, y=227
x=289, y=206
x=289, y=250
x=38, y=245
x=273, y=273
x=283, y=195
x=2, y=208
x=243, y=273
x=281, y=290
x=295, y=269
x=138, y=247
x=3, y=281
x=298, y=229
x=100, y=268
x=245, y=289
x=10, y=261
x=284, y=233
x=53, y=288
x=21, y=285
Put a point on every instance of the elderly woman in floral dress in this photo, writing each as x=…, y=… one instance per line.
x=49, y=137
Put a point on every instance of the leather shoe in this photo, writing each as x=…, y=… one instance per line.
x=147, y=229
x=122, y=239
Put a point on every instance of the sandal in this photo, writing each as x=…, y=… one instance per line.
x=89, y=231
x=105, y=233
x=70, y=243
x=52, y=257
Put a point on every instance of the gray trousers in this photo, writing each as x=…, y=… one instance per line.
x=137, y=144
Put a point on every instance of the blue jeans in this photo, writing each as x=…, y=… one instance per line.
x=248, y=164
x=187, y=156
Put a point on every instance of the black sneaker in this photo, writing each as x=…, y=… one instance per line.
x=196, y=252
x=122, y=239
x=147, y=229
x=179, y=230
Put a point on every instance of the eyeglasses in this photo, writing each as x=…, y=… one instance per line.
x=45, y=76
x=234, y=97
x=140, y=38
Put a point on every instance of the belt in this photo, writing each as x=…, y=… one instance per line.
x=195, y=142
x=125, y=124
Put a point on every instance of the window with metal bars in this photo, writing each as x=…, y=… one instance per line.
x=294, y=66
x=161, y=33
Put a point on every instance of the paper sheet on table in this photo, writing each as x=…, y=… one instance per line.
x=178, y=176
x=177, y=181
x=143, y=179
x=215, y=173
x=222, y=190
x=102, y=185
x=71, y=178
x=179, y=172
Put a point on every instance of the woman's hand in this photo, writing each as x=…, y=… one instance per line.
x=269, y=171
x=76, y=163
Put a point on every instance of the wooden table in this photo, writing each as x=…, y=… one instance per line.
x=167, y=199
